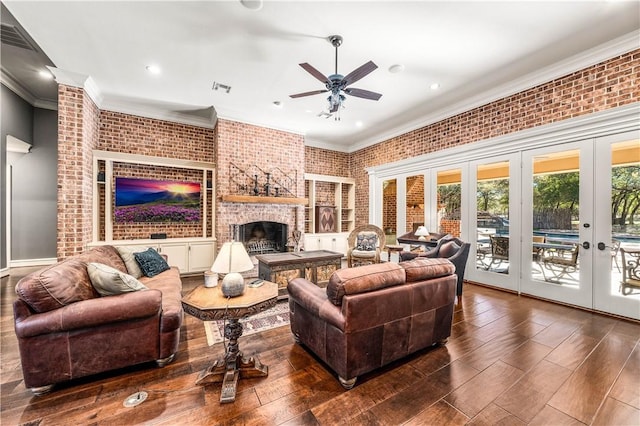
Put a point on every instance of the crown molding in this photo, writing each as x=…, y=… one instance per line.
x=325, y=145
x=208, y=119
x=590, y=57
x=17, y=88
x=266, y=126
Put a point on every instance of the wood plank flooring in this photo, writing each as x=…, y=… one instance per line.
x=511, y=360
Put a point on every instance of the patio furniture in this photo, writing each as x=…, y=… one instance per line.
x=630, y=270
x=559, y=260
x=499, y=253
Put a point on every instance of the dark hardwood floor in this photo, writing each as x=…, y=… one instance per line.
x=511, y=360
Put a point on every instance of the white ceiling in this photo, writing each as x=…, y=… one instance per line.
x=477, y=52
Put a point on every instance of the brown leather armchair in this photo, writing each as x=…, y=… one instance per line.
x=448, y=247
x=372, y=315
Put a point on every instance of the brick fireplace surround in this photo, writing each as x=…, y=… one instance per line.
x=83, y=127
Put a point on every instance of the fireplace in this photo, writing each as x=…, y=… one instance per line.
x=262, y=236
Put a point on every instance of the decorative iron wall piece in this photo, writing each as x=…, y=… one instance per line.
x=253, y=180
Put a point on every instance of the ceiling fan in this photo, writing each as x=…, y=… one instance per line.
x=337, y=83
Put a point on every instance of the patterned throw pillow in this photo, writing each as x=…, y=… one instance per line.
x=108, y=281
x=151, y=262
x=367, y=241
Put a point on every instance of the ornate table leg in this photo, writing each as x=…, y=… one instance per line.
x=233, y=365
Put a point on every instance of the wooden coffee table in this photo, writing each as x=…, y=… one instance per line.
x=208, y=304
x=315, y=265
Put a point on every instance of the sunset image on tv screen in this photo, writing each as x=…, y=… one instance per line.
x=145, y=200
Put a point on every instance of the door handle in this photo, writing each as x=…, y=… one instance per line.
x=586, y=245
x=602, y=246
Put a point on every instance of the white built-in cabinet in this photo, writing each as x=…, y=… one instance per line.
x=190, y=255
x=334, y=191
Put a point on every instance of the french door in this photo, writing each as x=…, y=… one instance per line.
x=557, y=223
x=578, y=216
x=617, y=185
x=493, y=225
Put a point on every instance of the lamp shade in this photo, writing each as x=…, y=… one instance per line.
x=231, y=260
x=421, y=232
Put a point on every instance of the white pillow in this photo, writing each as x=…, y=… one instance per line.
x=109, y=281
x=126, y=253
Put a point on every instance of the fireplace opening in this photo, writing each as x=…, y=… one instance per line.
x=263, y=237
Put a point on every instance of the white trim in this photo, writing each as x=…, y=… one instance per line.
x=4, y=272
x=22, y=263
x=596, y=55
x=17, y=88
x=601, y=123
x=17, y=145
x=266, y=126
x=328, y=178
x=161, y=113
x=123, y=157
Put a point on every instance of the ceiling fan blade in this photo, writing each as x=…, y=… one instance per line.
x=358, y=73
x=361, y=93
x=314, y=72
x=314, y=92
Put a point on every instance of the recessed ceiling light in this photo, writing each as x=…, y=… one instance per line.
x=394, y=69
x=434, y=86
x=359, y=123
x=46, y=75
x=252, y=4
x=153, y=69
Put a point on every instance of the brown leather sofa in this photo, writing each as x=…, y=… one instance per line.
x=371, y=315
x=66, y=330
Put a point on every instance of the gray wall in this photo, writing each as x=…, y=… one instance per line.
x=34, y=178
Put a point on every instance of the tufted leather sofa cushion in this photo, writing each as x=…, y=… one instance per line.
x=66, y=282
x=363, y=279
x=423, y=268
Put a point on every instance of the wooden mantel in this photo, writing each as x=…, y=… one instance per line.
x=264, y=200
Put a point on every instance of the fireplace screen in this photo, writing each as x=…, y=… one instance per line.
x=263, y=237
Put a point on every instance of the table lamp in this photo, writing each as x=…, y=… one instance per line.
x=421, y=233
x=232, y=260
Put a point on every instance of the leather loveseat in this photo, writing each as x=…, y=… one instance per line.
x=371, y=315
x=67, y=330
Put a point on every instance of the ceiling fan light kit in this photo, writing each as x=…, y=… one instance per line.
x=337, y=84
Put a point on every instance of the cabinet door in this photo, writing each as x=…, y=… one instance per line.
x=201, y=256
x=311, y=242
x=341, y=245
x=177, y=255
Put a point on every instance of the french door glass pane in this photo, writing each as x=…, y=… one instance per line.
x=415, y=202
x=493, y=217
x=389, y=209
x=449, y=201
x=556, y=207
x=625, y=219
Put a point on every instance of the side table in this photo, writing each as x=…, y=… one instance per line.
x=208, y=304
x=393, y=248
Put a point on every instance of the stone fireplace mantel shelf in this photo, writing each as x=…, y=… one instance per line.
x=264, y=200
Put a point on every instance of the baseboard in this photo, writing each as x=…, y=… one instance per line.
x=31, y=262
x=4, y=272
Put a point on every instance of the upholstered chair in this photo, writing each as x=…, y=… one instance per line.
x=365, y=244
x=448, y=247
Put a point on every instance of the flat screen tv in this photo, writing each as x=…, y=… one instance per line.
x=149, y=201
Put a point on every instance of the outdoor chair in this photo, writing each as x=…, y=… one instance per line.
x=560, y=263
x=630, y=271
x=499, y=253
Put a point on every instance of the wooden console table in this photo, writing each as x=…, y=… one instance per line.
x=316, y=266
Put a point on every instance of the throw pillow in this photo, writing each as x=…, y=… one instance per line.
x=126, y=253
x=151, y=263
x=367, y=241
x=109, y=281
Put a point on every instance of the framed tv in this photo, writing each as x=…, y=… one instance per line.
x=154, y=201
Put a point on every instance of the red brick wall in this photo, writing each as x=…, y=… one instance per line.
x=325, y=162
x=78, y=128
x=613, y=83
x=247, y=146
